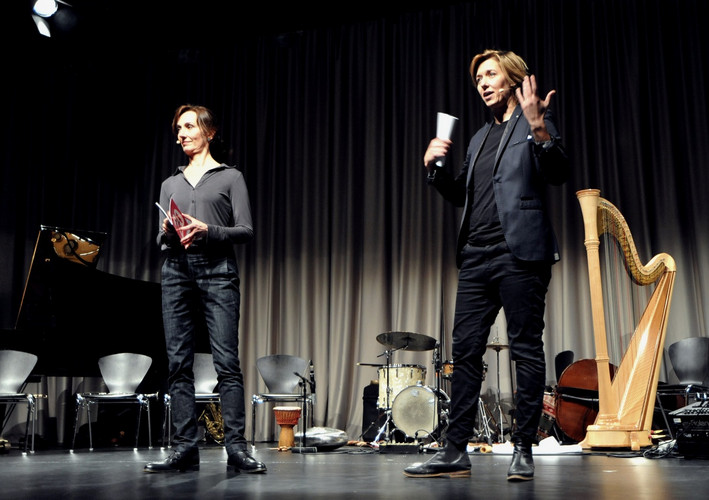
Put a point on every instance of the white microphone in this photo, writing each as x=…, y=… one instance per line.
x=445, y=126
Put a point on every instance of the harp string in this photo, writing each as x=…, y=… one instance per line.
x=623, y=299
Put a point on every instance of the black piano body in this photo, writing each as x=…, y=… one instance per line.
x=72, y=314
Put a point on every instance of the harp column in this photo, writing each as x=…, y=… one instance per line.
x=589, y=199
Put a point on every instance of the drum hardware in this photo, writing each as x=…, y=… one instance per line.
x=385, y=429
x=486, y=421
x=396, y=341
x=437, y=364
x=422, y=410
x=496, y=346
x=403, y=375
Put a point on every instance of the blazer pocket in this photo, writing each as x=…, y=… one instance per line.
x=530, y=203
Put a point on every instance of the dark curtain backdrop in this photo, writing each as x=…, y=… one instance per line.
x=329, y=125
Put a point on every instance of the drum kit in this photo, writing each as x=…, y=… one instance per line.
x=416, y=409
x=410, y=406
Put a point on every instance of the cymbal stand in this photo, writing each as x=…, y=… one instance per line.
x=437, y=367
x=484, y=420
x=484, y=416
x=387, y=410
x=501, y=434
x=384, y=428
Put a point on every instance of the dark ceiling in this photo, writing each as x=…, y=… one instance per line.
x=200, y=20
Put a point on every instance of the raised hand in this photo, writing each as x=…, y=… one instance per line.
x=533, y=107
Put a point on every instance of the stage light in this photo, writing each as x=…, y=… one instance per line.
x=52, y=19
x=45, y=8
x=42, y=26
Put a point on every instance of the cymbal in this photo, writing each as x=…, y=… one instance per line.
x=407, y=340
x=496, y=346
x=369, y=364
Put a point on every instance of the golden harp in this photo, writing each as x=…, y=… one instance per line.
x=626, y=403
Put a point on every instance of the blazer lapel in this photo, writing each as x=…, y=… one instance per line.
x=511, y=124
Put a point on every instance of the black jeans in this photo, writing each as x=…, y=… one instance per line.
x=490, y=278
x=198, y=287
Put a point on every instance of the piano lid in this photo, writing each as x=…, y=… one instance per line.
x=71, y=314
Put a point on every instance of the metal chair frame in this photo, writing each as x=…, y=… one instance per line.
x=282, y=386
x=120, y=391
x=16, y=366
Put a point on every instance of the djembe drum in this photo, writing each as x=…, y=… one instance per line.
x=287, y=417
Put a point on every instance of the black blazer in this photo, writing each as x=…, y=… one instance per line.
x=521, y=174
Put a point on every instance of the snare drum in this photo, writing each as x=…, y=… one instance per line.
x=399, y=377
x=415, y=410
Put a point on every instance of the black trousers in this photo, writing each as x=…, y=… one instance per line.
x=491, y=278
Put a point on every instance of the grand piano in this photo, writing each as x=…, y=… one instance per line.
x=72, y=314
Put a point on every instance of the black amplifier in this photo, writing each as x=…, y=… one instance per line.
x=692, y=429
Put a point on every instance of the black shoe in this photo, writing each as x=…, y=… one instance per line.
x=243, y=461
x=449, y=462
x=179, y=461
x=522, y=466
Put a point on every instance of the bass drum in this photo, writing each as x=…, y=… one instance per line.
x=415, y=410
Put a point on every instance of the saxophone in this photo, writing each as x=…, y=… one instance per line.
x=213, y=422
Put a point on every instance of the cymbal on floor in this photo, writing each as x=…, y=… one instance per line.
x=407, y=340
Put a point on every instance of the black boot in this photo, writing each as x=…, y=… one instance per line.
x=179, y=461
x=522, y=466
x=243, y=461
x=449, y=462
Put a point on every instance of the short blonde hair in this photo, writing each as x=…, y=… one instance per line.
x=512, y=66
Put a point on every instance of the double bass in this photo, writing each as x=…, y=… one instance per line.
x=576, y=398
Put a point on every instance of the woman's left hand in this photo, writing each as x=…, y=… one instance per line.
x=193, y=231
x=533, y=107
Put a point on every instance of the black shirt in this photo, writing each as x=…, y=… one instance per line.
x=485, y=227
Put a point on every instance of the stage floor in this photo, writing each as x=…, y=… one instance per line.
x=348, y=472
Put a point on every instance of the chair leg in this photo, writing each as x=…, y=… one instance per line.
x=76, y=421
x=88, y=417
x=27, y=424
x=137, y=428
x=150, y=428
x=34, y=421
x=253, y=423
